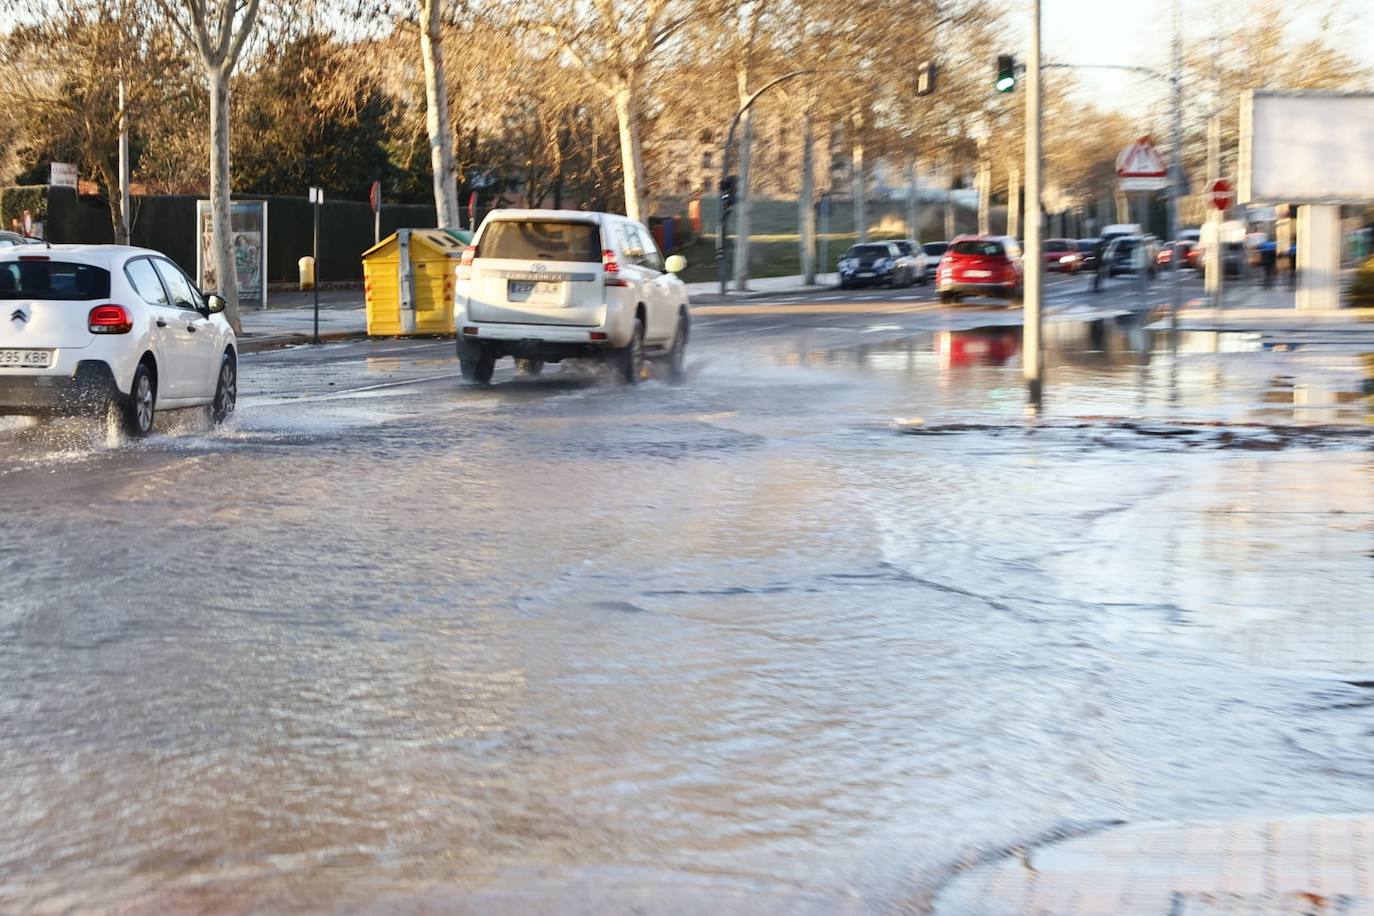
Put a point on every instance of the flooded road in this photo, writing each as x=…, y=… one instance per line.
x=805, y=634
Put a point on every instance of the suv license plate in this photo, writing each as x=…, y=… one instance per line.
x=534, y=291
x=26, y=359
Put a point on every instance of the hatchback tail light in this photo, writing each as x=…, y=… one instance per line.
x=612, y=268
x=109, y=319
x=464, y=270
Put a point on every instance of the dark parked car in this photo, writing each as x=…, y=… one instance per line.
x=869, y=264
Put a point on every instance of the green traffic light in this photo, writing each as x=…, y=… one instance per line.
x=1006, y=73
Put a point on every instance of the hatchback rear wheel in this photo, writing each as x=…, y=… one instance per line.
x=137, y=413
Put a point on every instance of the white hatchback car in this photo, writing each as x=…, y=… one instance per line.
x=86, y=329
x=548, y=285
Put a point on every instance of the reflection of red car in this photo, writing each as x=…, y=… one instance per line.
x=1192, y=254
x=982, y=347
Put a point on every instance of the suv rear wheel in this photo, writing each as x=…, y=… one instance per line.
x=479, y=370
x=628, y=361
x=677, y=356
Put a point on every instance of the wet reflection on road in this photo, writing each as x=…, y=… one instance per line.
x=741, y=645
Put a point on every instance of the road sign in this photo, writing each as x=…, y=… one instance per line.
x=62, y=175
x=1222, y=195
x=1139, y=167
x=374, y=196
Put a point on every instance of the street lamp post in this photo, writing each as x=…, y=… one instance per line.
x=725, y=169
x=1032, y=259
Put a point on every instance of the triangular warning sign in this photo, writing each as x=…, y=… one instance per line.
x=1140, y=160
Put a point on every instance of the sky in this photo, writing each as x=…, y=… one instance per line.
x=1138, y=32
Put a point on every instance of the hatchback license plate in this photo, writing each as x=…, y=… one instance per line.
x=25, y=359
x=978, y=273
x=534, y=290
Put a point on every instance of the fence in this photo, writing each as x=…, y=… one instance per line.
x=167, y=223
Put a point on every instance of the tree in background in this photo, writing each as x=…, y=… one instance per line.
x=216, y=31
x=62, y=83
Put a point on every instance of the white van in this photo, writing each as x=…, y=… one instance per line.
x=547, y=285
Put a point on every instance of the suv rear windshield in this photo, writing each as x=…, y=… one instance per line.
x=935, y=248
x=981, y=249
x=868, y=251
x=541, y=240
x=53, y=280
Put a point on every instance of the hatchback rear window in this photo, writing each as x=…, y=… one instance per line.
x=53, y=280
x=541, y=240
x=980, y=249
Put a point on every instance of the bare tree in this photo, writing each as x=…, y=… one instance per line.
x=613, y=45
x=437, y=119
x=64, y=74
x=217, y=30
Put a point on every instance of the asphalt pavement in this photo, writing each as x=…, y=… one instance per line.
x=836, y=626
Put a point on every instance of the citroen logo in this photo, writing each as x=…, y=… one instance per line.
x=18, y=315
x=539, y=268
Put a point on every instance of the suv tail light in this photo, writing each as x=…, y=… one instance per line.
x=612, y=269
x=464, y=270
x=109, y=319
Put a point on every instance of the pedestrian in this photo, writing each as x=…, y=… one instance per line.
x=1100, y=255
x=1293, y=265
x=1269, y=261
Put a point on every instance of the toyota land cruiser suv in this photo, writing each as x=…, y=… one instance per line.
x=547, y=285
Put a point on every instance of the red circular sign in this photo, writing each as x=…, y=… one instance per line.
x=1222, y=197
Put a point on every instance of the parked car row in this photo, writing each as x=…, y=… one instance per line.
x=899, y=263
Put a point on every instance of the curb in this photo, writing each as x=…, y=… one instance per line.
x=253, y=343
x=728, y=298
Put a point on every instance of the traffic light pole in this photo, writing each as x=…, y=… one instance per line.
x=725, y=202
x=1032, y=259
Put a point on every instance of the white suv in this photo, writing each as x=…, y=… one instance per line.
x=93, y=328
x=548, y=285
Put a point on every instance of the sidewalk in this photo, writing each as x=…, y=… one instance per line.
x=1251, y=307
x=708, y=293
x=290, y=319
x=1282, y=865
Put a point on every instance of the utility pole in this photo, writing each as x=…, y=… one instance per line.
x=1032, y=260
x=1176, y=167
x=1214, y=273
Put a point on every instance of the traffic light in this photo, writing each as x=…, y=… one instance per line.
x=1006, y=73
x=727, y=192
x=925, y=79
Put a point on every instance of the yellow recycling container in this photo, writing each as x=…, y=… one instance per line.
x=408, y=282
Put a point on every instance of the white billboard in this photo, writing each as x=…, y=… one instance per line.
x=1306, y=148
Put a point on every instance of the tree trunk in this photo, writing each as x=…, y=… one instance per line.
x=984, y=198
x=806, y=203
x=859, y=188
x=1014, y=202
x=437, y=116
x=114, y=194
x=743, y=201
x=913, y=202
x=221, y=232
x=631, y=162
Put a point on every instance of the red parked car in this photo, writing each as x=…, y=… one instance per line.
x=1056, y=250
x=1192, y=254
x=980, y=265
